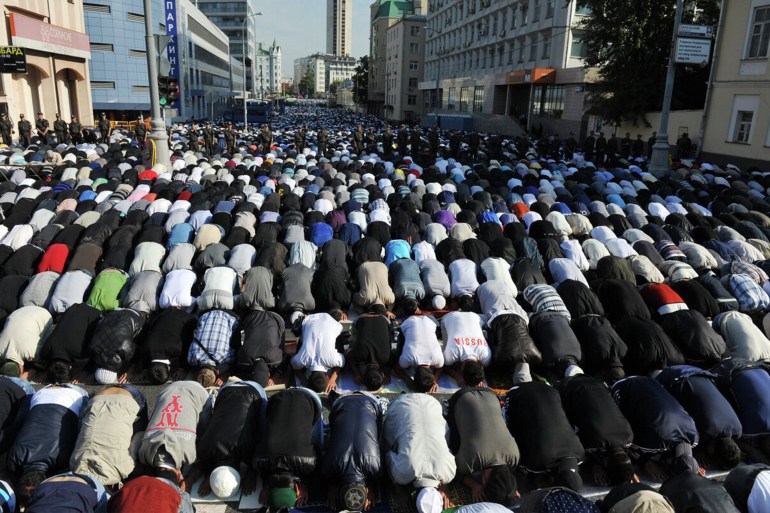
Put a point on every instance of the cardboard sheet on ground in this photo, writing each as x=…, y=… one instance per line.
x=252, y=501
x=347, y=383
x=210, y=498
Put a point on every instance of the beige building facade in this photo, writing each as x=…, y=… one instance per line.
x=736, y=126
x=53, y=37
x=405, y=51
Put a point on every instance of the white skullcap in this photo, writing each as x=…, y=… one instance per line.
x=224, y=481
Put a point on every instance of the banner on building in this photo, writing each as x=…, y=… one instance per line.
x=172, y=49
x=36, y=35
x=12, y=60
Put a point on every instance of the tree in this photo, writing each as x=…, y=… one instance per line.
x=630, y=42
x=361, y=80
x=306, y=85
x=333, y=86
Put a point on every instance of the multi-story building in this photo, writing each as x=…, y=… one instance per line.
x=119, y=77
x=519, y=58
x=404, y=50
x=339, y=27
x=237, y=18
x=383, y=15
x=736, y=124
x=54, y=41
x=267, y=69
x=327, y=69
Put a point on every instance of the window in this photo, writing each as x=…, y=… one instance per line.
x=131, y=16
x=521, y=51
x=546, y=46
x=478, y=98
x=412, y=83
x=743, y=126
x=533, y=49
x=578, y=48
x=96, y=84
x=549, y=101
x=413, y=65
x=140, y=89
x=549, y=8
x=536, y=9
x=464, y=92
x=411, y=99
x=582, y=9
x=414, y=30
x=104, y=9
x=137, y=54
x=450, y=102
x=760, y=34
x=101, y=47
x=414, y=48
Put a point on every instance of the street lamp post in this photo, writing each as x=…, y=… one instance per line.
x=158, y=126
x=437, y=99
x=243, y=55
x=661, y=148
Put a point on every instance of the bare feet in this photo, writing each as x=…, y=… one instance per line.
x=205, y=488
x=656, y=471
x=599, y=475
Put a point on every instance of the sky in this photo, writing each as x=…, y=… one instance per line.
x=299, y=28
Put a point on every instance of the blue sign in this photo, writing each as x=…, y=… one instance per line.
x=172, y=50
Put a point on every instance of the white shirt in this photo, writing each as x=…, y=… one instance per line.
x=177, y=289
x=379, y=214
x=462, y=274
x=318, y=351
x=464, y=338
x=421, y=345
x=71, y=397
x=496, y=268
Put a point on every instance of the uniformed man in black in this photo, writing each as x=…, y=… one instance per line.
x=300, y=139
x=637, y=147
x=208, y=138
x=194, y=137
x=415, y=142
x=612, y=150
x=230, y=139
x=25, y=131
x=455, y=139
x=265, y=139
x=60, y=128
x=570, y=145
x=588, y=147
x=323, y=140
x=370, y=141
x=358, y=140
x=650, y=143
x=496, y=146
x=104, y=129
x=6, y=129
x=474, y=141
x=433, y=141
x=403, y=139
x=42, y=128
x=387, y=143
x=625, y=146
x=601, y=148
x=140, y=131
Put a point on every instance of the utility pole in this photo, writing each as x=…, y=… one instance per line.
x=157, y=126
x=660, y=150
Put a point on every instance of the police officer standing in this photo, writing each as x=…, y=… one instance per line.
x=300, y=139
x=474, y=141
x=230, y=139
x=6, y=129
x=416, y=141
x=60, y=128
x=208, y=138
x=25, y=131
x=42, y=128
x=433, y=141
x=358, y=139
x=323, y=140
x=140, y=131
x=194, y=138
x=104, y=129
x=403, y=139
x=76, y=131
x=387, y=143
x=266, y=139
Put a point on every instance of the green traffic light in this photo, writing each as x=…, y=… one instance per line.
x=163, y=101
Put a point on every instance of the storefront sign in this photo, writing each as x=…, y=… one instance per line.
x=532, y=76
x=12, y=60
x=33, y=34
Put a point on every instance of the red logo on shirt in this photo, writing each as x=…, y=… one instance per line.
x=469, y=341
x=170, y=413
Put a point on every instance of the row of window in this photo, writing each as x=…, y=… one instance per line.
x=475, y=103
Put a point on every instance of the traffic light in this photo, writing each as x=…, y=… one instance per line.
x=173, y=93
x=163, y=89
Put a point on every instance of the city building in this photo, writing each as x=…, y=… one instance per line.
x=736, y=124
x=521, y=59
x=232, y=17
x=267, y=69
x=54, y=41
x=405, y=50
x=383, y=15
x=339, y=27
x=327, y=69
x=118, y=68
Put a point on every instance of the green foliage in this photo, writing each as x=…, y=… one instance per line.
x=307, y=83
x=630, y=42
x=361, y=80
